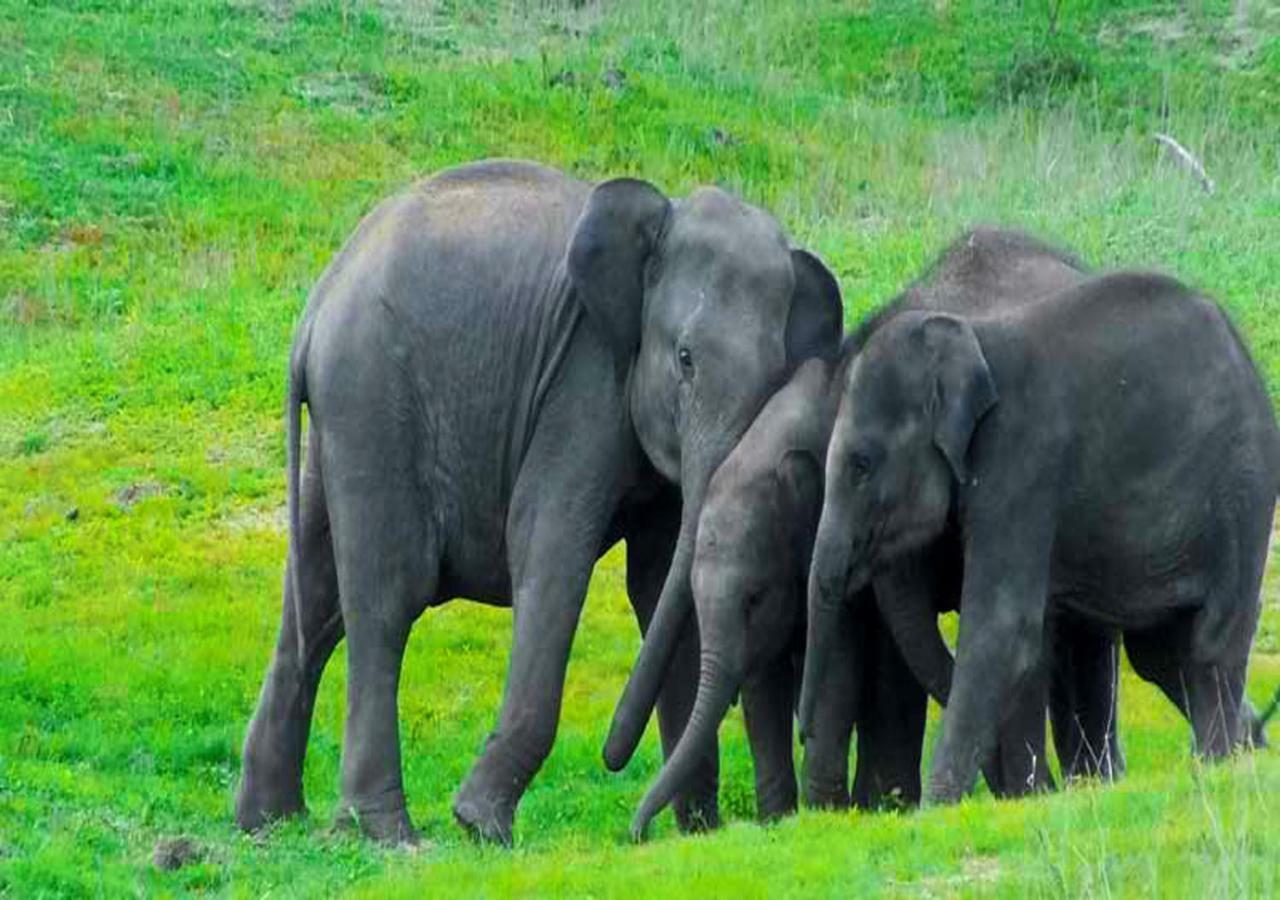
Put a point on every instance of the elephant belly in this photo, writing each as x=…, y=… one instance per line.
x=1131, y=590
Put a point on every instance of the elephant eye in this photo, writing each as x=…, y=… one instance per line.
x=860, y=466
x=686, y=361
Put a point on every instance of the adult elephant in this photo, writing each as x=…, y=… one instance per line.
x=506, y=371
x=983, y=270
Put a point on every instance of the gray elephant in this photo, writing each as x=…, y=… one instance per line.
x=982, y=270
x=755, y=539
x=1110, y=452
x=508, y=370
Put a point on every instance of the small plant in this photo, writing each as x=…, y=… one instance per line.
x=34, y=442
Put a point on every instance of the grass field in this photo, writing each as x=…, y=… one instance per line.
x=175, y=175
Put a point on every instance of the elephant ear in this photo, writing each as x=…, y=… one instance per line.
x=799, y=475
x=963, y=390
x=816, y=322
x=611, y=245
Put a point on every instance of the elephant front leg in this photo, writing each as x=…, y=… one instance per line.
x=547, y=603
x=891, y=724
x=554, y=533
x=1083, y=697
x=1020, y=766
x=767, y=704
x=839, y=704
x=999, y=647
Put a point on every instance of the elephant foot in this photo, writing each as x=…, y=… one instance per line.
x=829, y=799
x=696, y=815
x=259, y=802
x=389, y=827
x=488, y=819
x=944, y=791
x=774, y=812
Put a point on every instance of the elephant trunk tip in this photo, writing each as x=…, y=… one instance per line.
x=616, y=754
x=805, y=723
x=639, y=832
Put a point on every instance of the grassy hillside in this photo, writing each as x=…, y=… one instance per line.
x=174, y=176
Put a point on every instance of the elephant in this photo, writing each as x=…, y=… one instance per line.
x=507, y=370
x=754, y=543
x=1110, y=452
x=984, y=269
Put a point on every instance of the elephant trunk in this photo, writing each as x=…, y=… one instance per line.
x=828, y=586
x=913, y=622
x=717, y=684
x=674, y=608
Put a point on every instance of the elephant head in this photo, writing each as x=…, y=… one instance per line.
x=707, y=309
x=899, y=446
x=755, y=536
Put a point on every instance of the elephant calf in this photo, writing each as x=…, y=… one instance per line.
x=755, y=537
x=1109, y=452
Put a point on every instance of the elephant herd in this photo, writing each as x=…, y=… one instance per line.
x=508, y=370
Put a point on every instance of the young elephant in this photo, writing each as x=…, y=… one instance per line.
x=508, y=370
x=1110, y=452
x=755, y=538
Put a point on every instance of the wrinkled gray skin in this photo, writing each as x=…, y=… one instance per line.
x=507, y=370
x=755, y=539
x=1110, y=452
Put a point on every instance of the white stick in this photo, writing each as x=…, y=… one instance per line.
x=1183, y=155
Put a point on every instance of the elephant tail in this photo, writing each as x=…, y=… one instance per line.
x=297, y=395
x=1261, y=719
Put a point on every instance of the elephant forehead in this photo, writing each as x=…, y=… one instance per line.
x=730, y=242
x=735, y=515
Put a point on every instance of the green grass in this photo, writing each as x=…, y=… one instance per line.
x=174, y=176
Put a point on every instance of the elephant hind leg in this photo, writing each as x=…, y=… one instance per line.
x=310, y=628
x=1208, y=694
x=388, y=566
x=1199, y=659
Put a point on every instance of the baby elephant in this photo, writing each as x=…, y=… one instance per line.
x=1110, y=452
x=755, y=537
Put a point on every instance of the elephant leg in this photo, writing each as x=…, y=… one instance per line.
x=1006, y=575
x=839, y=705
x=768, y=702
x=1083, y=698
x=1199, y=659
x=557, y=522
x=310, y=628
x=891, y=724
x=387, y=558
x=1209, y=696
x=651, y=538
x=1021, y=765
